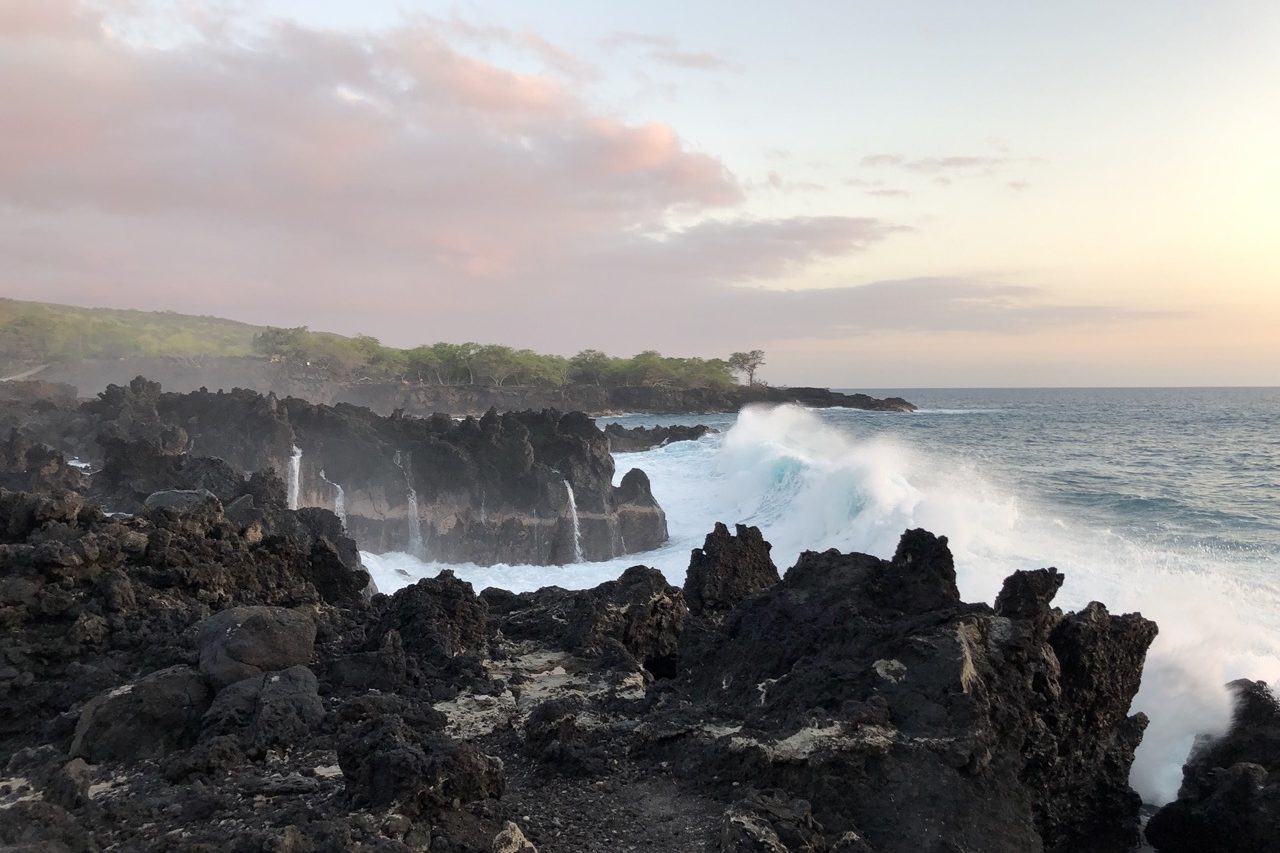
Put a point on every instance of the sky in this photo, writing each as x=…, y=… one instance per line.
x=906, y=194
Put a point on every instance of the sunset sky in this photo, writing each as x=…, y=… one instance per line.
x=877, y=194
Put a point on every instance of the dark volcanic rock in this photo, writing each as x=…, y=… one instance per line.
x=29, y=467
x=770, y=823
x=146, y=719
x=728, y=569
x=639, y=614
x=636, y=439
x=248, y=641
x=1230, y=795
x=877, y=710
x=521, y=487
x=269, y=710
x=869, y=688
x=642, y=524
x=387, y=763
x=435, y=620
x=89, y=603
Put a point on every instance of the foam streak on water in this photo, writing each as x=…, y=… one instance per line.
x=855, y=482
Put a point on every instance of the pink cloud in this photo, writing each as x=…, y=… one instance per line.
x=385, y=182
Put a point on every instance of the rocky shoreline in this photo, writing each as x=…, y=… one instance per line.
x=521, y=487
x=289, y=380
x=201, y=674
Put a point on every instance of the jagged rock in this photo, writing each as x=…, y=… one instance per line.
x=31, y=467
x=436, y=618
x=726, y=570
x=641, y=521
x=512, y=840
x=386, y=763
x=868, y=687
x=384, y=669
x=248, y=641
x=268, y=710
x=640, y=614
x=636, y=439
x=1230, y=794
x=771, y=823
x=145, y=719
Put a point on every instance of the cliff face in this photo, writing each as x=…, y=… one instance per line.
x=524, y=487
x=422, y=400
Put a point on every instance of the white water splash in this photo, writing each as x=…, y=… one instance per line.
x=416, y=546
x=577, y=528
x=339, y=499
x=295, y=476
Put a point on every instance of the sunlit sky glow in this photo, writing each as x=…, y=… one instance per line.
x=877, y=194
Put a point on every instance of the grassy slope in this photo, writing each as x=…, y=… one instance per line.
x=33, y=332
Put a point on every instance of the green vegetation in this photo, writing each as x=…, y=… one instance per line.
x=491, y=364
x=33, y=333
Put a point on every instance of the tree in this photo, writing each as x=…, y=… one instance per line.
x=499, y=363
x=747, y=363
x=589, y=367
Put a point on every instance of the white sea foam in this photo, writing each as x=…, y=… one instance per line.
x=809, y=485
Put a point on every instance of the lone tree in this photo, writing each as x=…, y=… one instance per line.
x=747, y=363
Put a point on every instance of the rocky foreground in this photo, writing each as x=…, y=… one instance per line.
x=201, y=676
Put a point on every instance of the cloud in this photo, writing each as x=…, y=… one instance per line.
x=775, y=181
x=667, y=51
x=874, y=160
x=943, y=169
x=552, y=56
x=392, y=183
x=390, y=179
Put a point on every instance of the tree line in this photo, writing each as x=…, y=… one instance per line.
x=33, y=333
x=365, y=357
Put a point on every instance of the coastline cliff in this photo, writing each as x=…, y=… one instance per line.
x=289, y=380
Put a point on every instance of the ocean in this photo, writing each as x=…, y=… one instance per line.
x=1162, y=501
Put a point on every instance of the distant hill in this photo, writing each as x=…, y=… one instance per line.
x=89, y=348
x=36, y=332
x=38, y=335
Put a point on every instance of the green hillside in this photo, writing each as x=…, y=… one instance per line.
x=35, y=332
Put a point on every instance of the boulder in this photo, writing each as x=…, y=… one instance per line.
x=275, y=709
x=511, y=840
x=182, y=500
x=145, y=719
x=247, y=641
